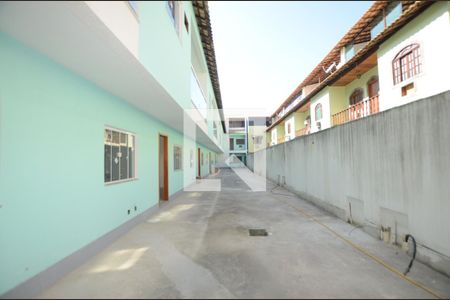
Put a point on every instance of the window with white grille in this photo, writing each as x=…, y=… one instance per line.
x=119, y=155
x=177, y=158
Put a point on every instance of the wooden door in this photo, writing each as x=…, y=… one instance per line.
x=373, y=87
x=163, y=168
x=210, y=163
x=199, y=167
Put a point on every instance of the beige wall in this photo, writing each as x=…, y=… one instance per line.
x=300, y=118
x=360, y=83
x=254, y=131
x=279, y=129
x=338, y=98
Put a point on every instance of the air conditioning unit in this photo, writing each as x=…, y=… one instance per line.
x=319, y=125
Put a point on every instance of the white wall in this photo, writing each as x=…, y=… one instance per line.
x=431, y=30
x=274, y=136
x=120, y=19
x=291, y=135
x=322, y=97
x=393, y=168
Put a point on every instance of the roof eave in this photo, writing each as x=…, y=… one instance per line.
x=204, y=25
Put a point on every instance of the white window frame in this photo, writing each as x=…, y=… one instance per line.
x=136, y=177
x=178, y=18
x=215, y=130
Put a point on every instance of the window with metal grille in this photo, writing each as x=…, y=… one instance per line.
x=407, y=63
x=119, y=155
x=177, y=158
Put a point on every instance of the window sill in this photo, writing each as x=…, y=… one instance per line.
x=120, y=181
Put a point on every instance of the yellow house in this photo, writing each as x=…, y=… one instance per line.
x=256, y=133
x=378, y=64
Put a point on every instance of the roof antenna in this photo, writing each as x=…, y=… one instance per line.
x=328, y=70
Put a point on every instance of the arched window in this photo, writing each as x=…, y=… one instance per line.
x=407, y=63
x=356, y=96
x=373, y=87
x=318, y=111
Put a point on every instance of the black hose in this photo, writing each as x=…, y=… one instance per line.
x=414, y=253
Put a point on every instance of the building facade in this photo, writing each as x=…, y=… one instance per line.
x=238, y=139
x=393, y=55
x=106, y=109
x=256, y=133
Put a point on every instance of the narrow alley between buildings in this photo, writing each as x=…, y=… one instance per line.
x=198, y=246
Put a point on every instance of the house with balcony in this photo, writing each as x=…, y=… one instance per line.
x=393, y=55
x=277, y=134
x=238, y=140
x=107, y=110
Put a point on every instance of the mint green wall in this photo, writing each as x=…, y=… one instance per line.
x=205, y=166
x=162, y=52
x=234, y=137
x=52, y=193
x=167, y=54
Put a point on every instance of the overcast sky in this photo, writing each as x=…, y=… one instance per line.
x=265, y=49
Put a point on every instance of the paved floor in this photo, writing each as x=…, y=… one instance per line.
x=198, y=246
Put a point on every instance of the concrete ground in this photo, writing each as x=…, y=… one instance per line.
x=198, y=246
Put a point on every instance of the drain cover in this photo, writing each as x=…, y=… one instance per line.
x=258, y=232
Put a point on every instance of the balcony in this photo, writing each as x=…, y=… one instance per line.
x=197, y=96
x=303, y=131
x=357, y=111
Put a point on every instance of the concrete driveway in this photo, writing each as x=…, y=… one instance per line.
x=198, y=246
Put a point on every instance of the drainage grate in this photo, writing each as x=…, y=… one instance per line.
x=258, y=232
